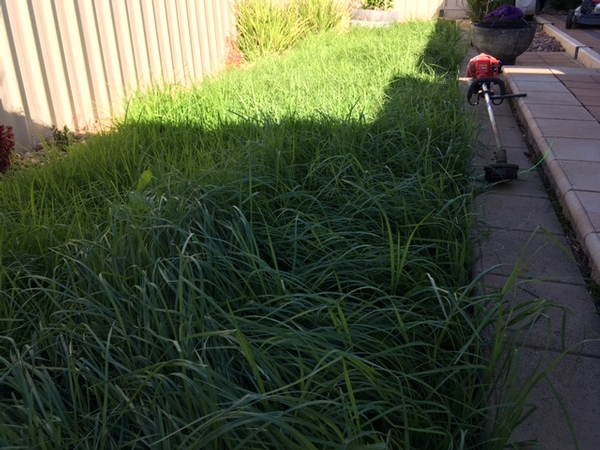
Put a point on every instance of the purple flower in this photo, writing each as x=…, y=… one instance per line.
x=506, y=12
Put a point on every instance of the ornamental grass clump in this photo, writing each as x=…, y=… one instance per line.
x=276, y=258
x=270, y=27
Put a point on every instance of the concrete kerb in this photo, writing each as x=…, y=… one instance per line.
x=559, y=181
x=588, y=57
x=592, y=246
x=578, y=215
x=571, y=46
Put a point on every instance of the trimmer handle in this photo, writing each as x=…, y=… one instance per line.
x=477, y=87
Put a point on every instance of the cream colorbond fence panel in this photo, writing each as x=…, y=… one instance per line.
x=455, y=9
x=72, y=62
x=428, y=9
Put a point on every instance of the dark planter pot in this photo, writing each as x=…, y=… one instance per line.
x=503, y=40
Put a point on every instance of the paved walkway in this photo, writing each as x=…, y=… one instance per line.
x=522, y=242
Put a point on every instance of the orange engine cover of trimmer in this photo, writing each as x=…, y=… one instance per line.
x=483, y=66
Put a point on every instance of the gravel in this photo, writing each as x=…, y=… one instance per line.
x=544, y=43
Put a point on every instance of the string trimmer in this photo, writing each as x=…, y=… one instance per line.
x=484, y=69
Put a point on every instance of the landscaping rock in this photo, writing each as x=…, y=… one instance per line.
x=544, y=43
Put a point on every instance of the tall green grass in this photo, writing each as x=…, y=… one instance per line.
x=267, y=27
x=276, y=258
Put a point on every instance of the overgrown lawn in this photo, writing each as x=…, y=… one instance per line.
x=276, y=258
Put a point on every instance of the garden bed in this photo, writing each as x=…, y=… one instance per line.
x=276, y=258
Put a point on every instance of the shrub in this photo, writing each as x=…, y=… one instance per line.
x=378, y=4
x=7, y=147
x=62, y=139
x=323, y=15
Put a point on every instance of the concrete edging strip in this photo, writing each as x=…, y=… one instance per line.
x=588, y=57
x=570, y=45
x=578, y=215
x=592, y=246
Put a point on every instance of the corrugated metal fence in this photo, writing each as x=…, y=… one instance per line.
x=71, y=62
x=427, y=9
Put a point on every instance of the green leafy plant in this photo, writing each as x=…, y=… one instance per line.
x=378, y=4
x=7, y=147
x=62, y=139
x=136, y=197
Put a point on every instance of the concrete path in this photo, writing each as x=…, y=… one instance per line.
x=524, y=245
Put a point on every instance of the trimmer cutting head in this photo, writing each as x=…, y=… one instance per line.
x=501, y=172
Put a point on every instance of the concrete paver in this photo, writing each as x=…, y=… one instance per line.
x=544, y=60
x=583, y=175
x=553, y=98
x=569, y=128
x=595, y=111
x=508, y=140
x=575, y=380
x=526, y=214
x=531, y=255
x=575, y=327
x=579, y=149
x=568, y=112
x=536, y=88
